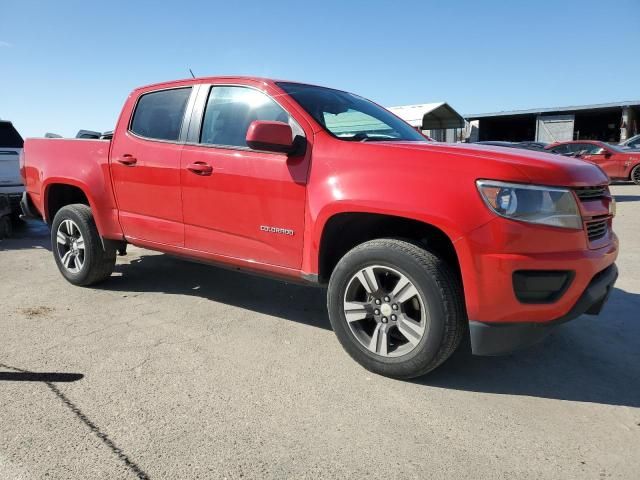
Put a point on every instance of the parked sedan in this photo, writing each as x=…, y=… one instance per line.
x=617, y=162
x=533, y=145
x=539, y=146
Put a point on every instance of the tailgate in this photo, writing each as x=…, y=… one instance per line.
x=11, y=144
x=10, y=167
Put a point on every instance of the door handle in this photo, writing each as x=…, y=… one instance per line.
x=200, y=168
x=128, y=160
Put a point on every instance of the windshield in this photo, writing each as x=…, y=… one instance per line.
x=616, y=148
x=349, y=117
x=9, y=136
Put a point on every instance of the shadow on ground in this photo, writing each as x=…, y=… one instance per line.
x=166, y=274
x=39, y=377
x=627, y=198
x=591, y=359
x=26, y=235
x=49, y=379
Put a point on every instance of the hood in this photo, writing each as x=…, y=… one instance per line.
x=539, y=167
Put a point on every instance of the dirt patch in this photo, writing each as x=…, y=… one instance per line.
x=33, y=312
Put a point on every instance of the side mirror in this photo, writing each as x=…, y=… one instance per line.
x=270, y=136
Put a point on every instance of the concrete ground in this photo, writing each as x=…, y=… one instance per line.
x=178, y=370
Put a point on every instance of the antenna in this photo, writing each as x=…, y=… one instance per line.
x=192, y=75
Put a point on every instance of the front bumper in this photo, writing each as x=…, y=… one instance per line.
x=503, y=338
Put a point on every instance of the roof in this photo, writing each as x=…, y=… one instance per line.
x=218, y=78
x=187, y=81
x=429, y=116
x=533, y=111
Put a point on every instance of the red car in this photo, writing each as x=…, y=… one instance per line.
x=618, y=163
x=416, y=241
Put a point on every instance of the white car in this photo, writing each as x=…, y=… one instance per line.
x=11, y=144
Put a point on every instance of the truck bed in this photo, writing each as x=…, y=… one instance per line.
x=78, y=162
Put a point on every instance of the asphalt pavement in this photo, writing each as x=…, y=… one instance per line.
x=176, y=370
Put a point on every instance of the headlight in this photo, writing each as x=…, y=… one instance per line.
x=529, y=203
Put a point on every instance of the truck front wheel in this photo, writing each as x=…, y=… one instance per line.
x=77, y=248
x=396, y=308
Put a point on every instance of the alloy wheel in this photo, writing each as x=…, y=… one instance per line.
x=385, y=311
x=70, y=245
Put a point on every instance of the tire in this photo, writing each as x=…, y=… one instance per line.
x=94, y=264
x=635, y=175
x=438, y=293
x=6, y=228
x=15, y=219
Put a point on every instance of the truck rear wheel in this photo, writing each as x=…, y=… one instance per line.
x=77, y=248
x=5, y=227
x=396, y=308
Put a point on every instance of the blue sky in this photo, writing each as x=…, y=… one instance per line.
x=66, y=65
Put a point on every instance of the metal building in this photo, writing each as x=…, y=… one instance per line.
x=437, y=120
x=609, y=122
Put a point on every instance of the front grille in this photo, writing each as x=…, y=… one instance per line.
x=597, y=229
x=590, y=193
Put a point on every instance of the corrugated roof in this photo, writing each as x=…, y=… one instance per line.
x=429, y=116
x=534, y=111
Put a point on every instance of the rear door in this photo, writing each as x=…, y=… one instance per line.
x=248, y=204
x=11, y=144
x=145, y=166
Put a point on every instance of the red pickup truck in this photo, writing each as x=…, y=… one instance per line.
x=417, y=241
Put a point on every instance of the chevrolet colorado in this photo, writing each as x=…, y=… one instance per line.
x=416, y=241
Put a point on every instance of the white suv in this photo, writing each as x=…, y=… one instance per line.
x=10, y=150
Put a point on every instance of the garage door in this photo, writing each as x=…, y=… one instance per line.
x=554, y=128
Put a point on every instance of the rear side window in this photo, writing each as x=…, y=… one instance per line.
x=159, y=115
x=230, y=111
x=9, y=136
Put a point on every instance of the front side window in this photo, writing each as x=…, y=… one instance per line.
x=349, y=117
x=159, y=115
x=231, y=110
x=593, y=149
x=575, y=147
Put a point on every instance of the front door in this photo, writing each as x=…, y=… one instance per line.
x=145, y=166
x=239, y=202
x=602, y=157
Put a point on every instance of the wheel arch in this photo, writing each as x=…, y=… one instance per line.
x=60, y=193
x=344, y=230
